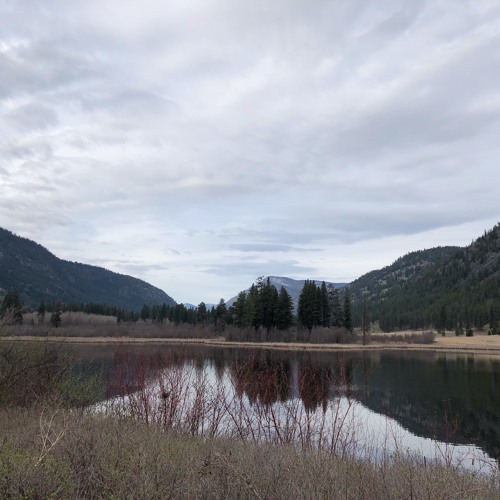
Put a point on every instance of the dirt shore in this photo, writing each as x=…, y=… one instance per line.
x=478, y=343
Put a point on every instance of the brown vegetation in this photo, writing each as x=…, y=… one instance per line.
x=168, y=439
x=60, y=455
x=80, y=326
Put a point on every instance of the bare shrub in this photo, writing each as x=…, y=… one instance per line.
x=248, y=402
x=99, y=457
x=34, y=372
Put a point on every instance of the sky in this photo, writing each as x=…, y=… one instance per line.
x=200, y=144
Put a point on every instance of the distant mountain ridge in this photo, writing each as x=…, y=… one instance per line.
x=292, y=286
x=187, y=305
x=39, y=275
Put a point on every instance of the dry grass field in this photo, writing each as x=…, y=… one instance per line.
x=80, y=327
x=478, y=343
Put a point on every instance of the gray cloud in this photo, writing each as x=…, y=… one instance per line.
x=33, y=116
x=269, y=247
x=232, y=132
x=257, y=268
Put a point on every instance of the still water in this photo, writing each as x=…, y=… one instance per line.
x=424, y=402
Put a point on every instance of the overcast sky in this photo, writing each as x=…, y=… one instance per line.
x=200, y=144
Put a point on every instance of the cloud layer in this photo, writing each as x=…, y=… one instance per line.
x=201, y=144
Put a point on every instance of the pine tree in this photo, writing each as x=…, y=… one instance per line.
x=325, y=306
x=201, y=313
x=336, y=318
x=238, y=310
x=55, y=318
x=441, y=326
x=145, y=312
x=347, y=313
x=269, y=298
x=284, y=310
x=256, y=305
x=11, y=310
x=307, y=307
x=163, y=313
x=41, y=312
x=493, y=320
x=220, y=316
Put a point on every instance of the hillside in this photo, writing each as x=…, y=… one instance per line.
x=461, y=290
x=38, y=275
x=375, y=285
x=293, y=287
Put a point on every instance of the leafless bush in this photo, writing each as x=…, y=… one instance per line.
x=333, y=335
x=98, y=457
x=29, y=372
x=244, y=403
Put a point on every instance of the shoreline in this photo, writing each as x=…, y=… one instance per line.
x=482, y=344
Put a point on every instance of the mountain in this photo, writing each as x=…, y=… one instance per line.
x=442, y=288
x=38, y=275
x=375, y=285
x=293, y=287
x=187, y=305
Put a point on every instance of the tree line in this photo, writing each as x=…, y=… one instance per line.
x=261, y=308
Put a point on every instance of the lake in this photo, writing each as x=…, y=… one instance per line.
x=435, y=404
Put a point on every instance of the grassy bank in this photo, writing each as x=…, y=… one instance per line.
x=59, y=454
x=52, y=447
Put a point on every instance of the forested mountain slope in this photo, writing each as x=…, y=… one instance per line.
x=375, y=285
x=461, y=291
x=38, y=275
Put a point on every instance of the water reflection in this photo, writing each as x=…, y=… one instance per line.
x=261, y=378
x=442, y=396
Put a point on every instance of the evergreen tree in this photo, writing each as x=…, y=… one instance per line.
x=308, y=306
x=347, y=313
x=180, y=314
x=269, y=299
x=468, y=327
x=494, y=329
x=284, y=310
x=255, y=306
x=335, y=307
x=441, y=325
x=41, y=312
x=365, y=323
x=220, y=316
x=325, y=306
x=145, y=312
x=11, y=310
x=55, y=318
x=155, y=313
x=239, y=310
x=201, y=313
x=163, y=313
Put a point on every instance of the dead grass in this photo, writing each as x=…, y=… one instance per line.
x=81, y=327
x=88, y=456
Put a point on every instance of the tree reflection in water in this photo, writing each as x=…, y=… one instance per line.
x=449, y=397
